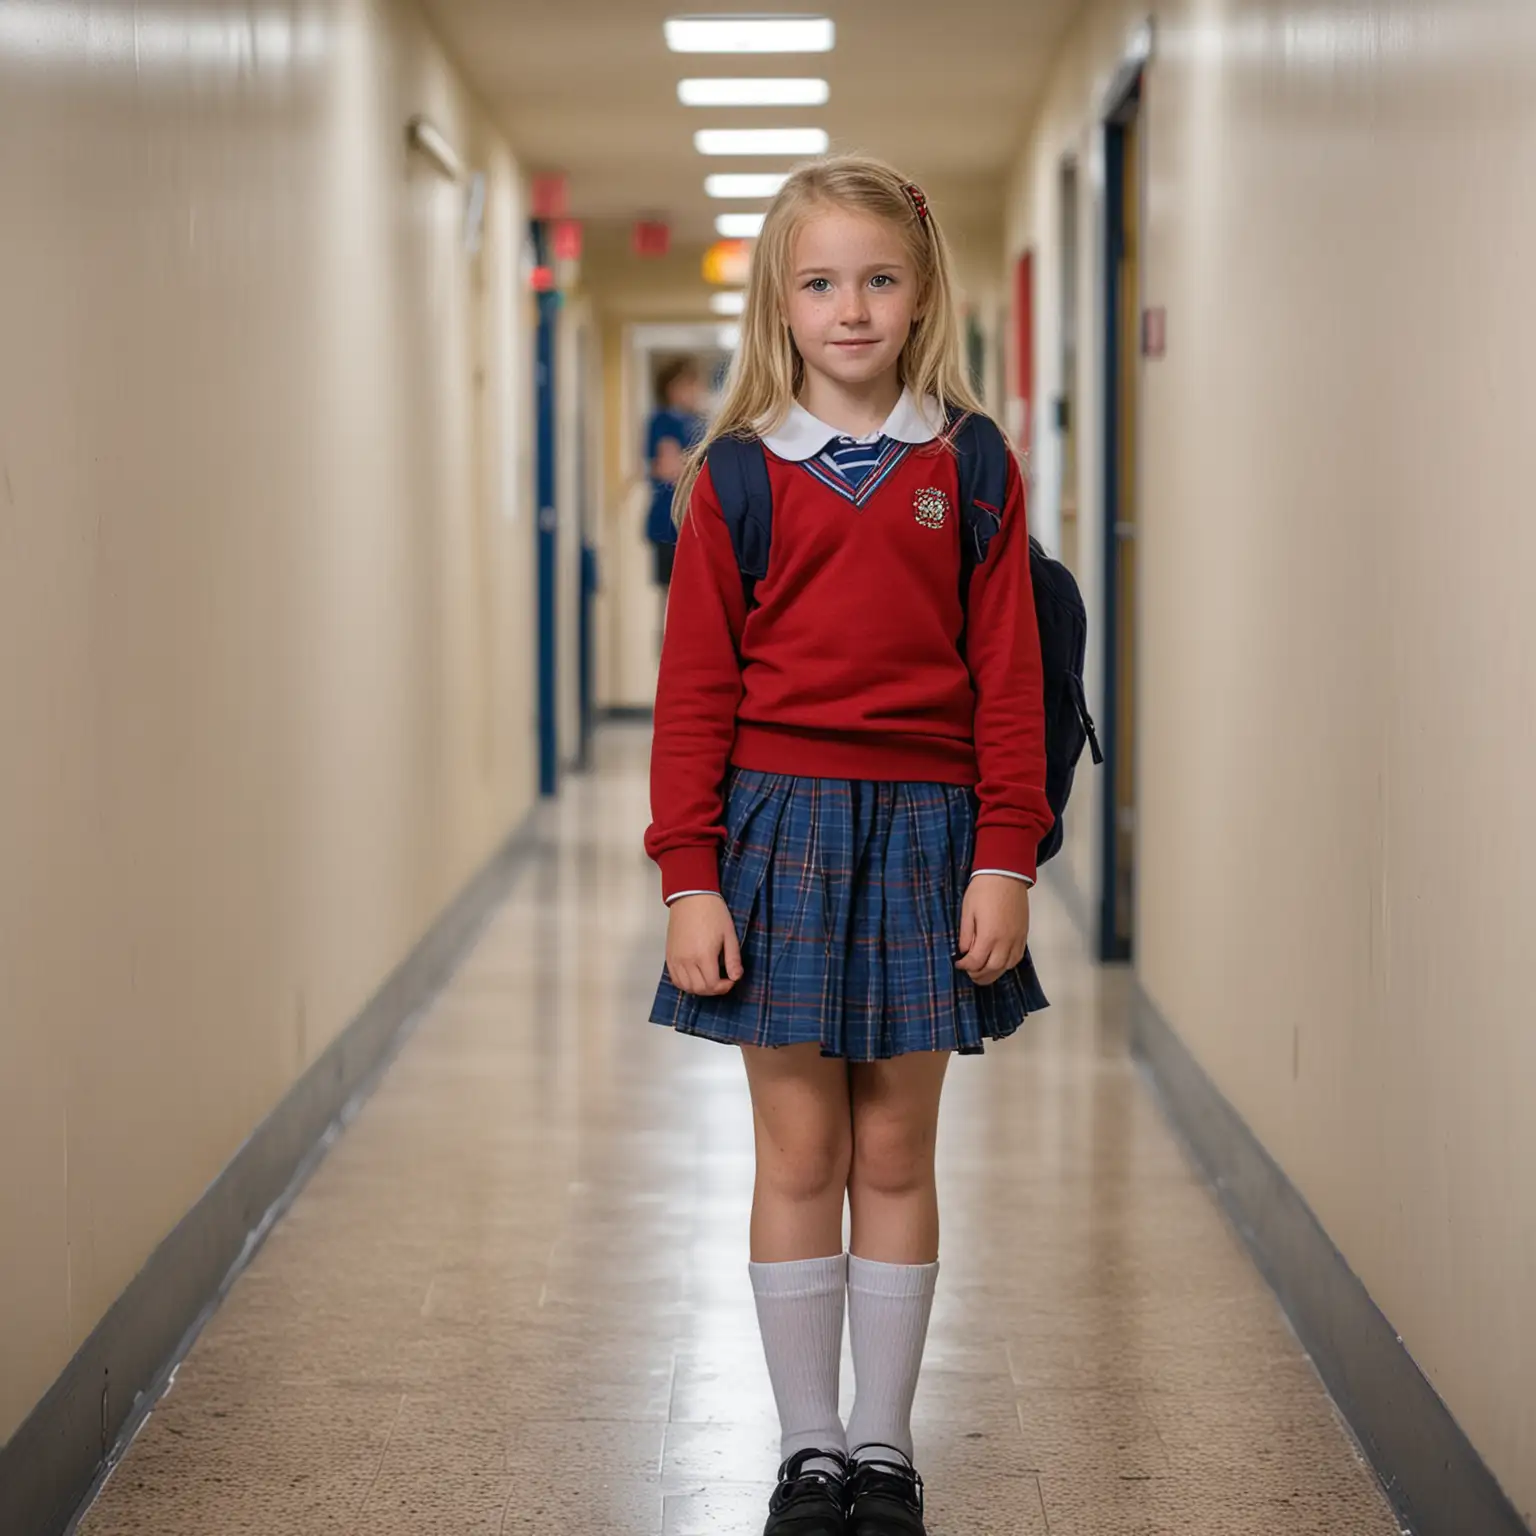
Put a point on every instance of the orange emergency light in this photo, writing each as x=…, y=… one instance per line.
x=726, y=262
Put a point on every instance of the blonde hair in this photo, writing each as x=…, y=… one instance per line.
x=767, y=372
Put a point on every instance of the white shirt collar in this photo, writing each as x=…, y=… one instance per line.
x=803, y=436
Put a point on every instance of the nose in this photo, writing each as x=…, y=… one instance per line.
x=853, y=306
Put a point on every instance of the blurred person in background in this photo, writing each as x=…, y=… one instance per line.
x=675, y=426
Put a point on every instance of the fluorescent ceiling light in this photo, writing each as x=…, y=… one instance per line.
x=731, y=302
x=752, y=93
x=740, y=226
x=761, y=141
x=729, y=337
x=749, y=34
x=745, y=185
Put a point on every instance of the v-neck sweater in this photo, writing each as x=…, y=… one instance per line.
x=857, y=660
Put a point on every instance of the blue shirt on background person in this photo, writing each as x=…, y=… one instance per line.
x=684, y=428
x=674, y=427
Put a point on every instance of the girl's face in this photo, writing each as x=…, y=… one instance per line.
x=852, y=296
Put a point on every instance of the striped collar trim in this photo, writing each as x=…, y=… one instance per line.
x=894, y=453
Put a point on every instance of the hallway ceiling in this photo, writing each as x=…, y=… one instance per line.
x=589, y=87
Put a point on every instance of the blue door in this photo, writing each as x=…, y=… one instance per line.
x=546, y=526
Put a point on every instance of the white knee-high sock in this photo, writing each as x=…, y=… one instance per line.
x=888, y=1309
x=800, y=1312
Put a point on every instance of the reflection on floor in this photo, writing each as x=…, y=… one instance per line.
x=513, y=1301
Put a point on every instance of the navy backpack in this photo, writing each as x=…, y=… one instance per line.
x=739, y=473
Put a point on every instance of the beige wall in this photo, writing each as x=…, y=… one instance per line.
x=264, y=608
x=1336, y=882
x=629, y=604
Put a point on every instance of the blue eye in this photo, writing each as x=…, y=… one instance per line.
x=819, y=285
x=881, y=280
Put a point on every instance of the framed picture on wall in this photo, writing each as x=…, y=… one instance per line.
x=976, y=353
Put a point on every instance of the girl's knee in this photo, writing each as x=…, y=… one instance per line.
x=807, y=1168
x=892, y=1154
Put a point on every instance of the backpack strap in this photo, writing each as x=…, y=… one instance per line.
x=739, y=473
x=982, y=466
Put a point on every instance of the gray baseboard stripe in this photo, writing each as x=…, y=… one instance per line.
x=61, y=1452
x=1436, y=1481
x=619, y=713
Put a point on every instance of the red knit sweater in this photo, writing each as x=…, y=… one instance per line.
x=850, y=664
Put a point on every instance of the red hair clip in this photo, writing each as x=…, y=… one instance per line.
x=919, y=202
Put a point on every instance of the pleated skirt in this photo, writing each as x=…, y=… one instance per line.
x=847, y=897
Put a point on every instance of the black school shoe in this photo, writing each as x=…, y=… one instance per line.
x=808, y=1503
x=885, y=1497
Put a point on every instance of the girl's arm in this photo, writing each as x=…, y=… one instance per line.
x=697, y=696
x=1003, y=651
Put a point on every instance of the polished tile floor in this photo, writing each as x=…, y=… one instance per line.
x=513, y=1299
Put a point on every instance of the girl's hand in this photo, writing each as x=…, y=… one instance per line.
x=700, y=931
x=994, y=927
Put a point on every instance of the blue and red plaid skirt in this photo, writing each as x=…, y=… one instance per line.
x=847, y=898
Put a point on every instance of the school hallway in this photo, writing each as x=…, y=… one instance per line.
x=513, y=1297
x=351, y=352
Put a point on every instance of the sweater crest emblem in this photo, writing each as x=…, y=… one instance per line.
x=930, y=506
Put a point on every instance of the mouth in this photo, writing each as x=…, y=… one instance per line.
x=855, y=346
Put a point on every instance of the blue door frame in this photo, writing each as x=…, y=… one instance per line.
x=546, y=525
x=587, y=650
x=1124, y=102
x=587, y=596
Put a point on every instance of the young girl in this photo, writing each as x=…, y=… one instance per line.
x=848, y=788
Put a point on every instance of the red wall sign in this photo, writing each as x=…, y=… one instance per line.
x=651, y=237
x=550, y=196
x=565, y=240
